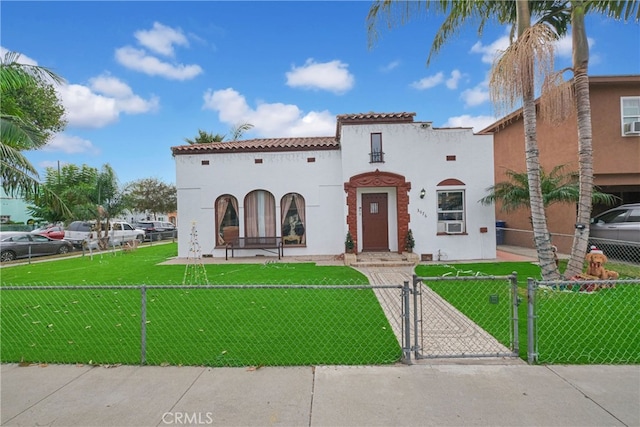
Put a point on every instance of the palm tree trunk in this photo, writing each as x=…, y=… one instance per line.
x=541, y=237
x=585, y=146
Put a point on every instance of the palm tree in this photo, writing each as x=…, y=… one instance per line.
x=205, y=137
x=512, y=80
x=579, y=87
x=109, y=201
x=16, y=135
x=238, y=131
x=558, y=15
x=557, y=187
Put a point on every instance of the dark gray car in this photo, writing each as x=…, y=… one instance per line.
x=18, y=244
x=157, y=230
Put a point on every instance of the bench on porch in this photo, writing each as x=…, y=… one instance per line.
x=263, y=243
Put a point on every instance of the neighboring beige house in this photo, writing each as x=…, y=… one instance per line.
x=379, y=176
x=615, y=119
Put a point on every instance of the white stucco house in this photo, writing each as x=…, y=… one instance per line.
x=381, y=175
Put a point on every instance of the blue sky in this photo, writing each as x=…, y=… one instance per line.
x=142, y=76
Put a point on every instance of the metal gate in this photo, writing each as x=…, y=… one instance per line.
x=457, y=317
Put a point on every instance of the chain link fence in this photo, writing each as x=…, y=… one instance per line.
x=584, y=322
x=465, y=316
x=618, y=251
x=210, y=325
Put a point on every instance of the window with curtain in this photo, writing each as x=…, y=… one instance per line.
x=293, y=219
x=260, y=214
x=227, y=222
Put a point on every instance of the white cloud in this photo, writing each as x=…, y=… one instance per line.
x=452, y=82
x=491, y=51
x=139, y=60
x=564, y=46
x=475, y=96
x=332, y=76
x=476, y=122
x=126, y=100
x=71, y=145
x=161, y=39
x=85, y=108
x=428, y=82
x=102, y=102
x=269, y=120
x=111, y=86
x=390, y=66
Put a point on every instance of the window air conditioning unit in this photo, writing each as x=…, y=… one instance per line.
x=454, y=227
x=632, y=128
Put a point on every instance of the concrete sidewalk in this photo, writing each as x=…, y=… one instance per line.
x=465, y=394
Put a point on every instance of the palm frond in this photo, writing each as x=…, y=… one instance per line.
x=14, y=75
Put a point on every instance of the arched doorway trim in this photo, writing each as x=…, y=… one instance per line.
x=379, y=179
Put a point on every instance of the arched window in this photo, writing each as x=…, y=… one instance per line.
x=293, y=219
x=259, y=214
x=227, y=223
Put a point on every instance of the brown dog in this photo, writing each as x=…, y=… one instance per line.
x=596, y=260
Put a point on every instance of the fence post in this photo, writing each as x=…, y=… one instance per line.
x=516, y=303
x=531, y=341
x=406, y=344
x=416, y=319
x=143, y=325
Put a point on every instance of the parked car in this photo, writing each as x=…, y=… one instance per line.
x=55, y=232
x=621, y=223
x=22, y=244
x=120, y=232
x=617, y=231
x=158, y=230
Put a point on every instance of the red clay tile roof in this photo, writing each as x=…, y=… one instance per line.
x=260, y=145
x=295, y=144
x=361, y=118
x=376, y=117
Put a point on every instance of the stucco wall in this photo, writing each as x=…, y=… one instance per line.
x=417, y=153
x=420, y=155
x=238, y=174
x=616, y=157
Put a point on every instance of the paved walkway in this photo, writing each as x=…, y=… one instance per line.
x=443, y=330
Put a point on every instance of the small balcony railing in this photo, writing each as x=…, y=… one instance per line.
x=376, y=157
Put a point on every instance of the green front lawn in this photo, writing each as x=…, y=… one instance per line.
x=192, y=326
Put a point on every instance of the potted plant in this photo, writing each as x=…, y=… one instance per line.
x=349, y=244
x=409, y=242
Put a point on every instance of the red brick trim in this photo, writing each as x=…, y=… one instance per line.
x=379, y=179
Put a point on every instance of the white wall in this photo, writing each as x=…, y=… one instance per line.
x=420, y=154
x=417, y=153
x=237, y=174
